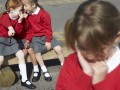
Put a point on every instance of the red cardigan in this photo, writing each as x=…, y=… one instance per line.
x=72, y=77
x=41, y=24
x=5, y=22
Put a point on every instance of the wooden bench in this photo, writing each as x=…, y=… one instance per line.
x=10, y=60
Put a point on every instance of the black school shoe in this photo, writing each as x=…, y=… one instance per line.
x=48, y=79
x=29, y=86
x=20, y=77
x=36, y=78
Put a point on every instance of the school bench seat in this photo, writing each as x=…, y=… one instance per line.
x=11, y=59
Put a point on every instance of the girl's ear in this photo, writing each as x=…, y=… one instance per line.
x=10, y=9
x=34, y=5
x=117, y=40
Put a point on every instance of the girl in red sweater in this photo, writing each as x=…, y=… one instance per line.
x=42, y=38
x=24, y=40
x=94, y=34
x=10, y=25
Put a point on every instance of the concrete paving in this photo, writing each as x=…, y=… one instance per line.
x=41, y=84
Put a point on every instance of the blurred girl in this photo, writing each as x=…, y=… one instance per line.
x=94, y=34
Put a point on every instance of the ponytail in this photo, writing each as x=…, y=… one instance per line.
x=37, y=4
x=69, y=37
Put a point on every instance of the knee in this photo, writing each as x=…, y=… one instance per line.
x=1, y=60
x=30, y=51
x=38, y=55
x=58, y=49
x=20, y=54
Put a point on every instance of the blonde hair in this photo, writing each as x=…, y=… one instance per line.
x=95, y=23
x=31, y=2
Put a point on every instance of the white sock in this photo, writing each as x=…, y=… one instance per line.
x=44, y=69
x=36, y=69
x=23, y=72
x=61, y=64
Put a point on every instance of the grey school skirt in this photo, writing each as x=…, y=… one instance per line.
x=8, y=46
x=39, y=44
x=22, y=42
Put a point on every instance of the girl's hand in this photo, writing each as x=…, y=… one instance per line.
x=100, y=70
x=11, y=31
x=48, y=45
x=21, y=16
x=25, y=15
x=26, y=45
x=84, y=64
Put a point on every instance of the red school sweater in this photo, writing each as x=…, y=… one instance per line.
x=72, y=77
x=41, y=24
x=26, y=32
x=5, y=22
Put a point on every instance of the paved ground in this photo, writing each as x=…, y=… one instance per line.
x=41, y=84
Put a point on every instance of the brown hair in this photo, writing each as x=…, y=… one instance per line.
x=11, y=4
x=95, y=24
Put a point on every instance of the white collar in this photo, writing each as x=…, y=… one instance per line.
x=114, y=61
x=36, y=11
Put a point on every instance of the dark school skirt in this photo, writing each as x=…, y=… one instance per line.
x=39, y=44
x=22, y=42
x=8, y=46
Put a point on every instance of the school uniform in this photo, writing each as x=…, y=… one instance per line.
x=8, y=45
x=41, y=25
x=26, y=34
x=72, y=77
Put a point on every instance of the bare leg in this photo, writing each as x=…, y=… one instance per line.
x=43, y=67
x=59, y=53
x=40, y=59
x=1, y=60
x=22, y=66
x=36, y=73
x=32, y=55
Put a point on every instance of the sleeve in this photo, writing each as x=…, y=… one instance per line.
x=118, y=84
x=103, y=86
x=29, y=31
x=68, y=81
x=29, y=35
x=106, y=86
x=118, y=81
x=5, y=20
x=47, y=25
x=18, y=28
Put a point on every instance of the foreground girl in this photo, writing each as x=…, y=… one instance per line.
x=94, y=33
